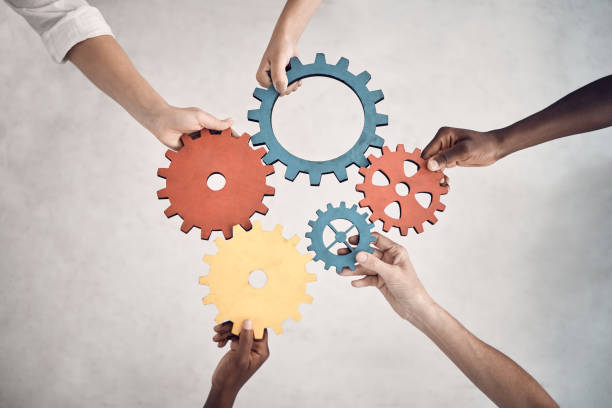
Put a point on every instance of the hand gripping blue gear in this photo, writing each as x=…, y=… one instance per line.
x=355, y=155
x=323, y=253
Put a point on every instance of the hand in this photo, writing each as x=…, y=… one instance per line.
x=245, y=356
x=390, y=270
x=170, y=122
x=275, y=59
x=462, y=147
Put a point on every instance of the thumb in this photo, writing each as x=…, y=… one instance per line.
x=371, y=262
x=245, y=341
x=279, y=77
x=210, y=122
x=448, y=157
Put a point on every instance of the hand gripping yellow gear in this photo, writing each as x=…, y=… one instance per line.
x=271, y=304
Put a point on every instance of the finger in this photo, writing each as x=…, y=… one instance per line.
x=448, y=157
x=222, y=343
x=222, y=336
x=262, y=75
x=440, y=141
x=293, y=87
x=235, y=133
x=261, y=346
x=208, y=121
x=245, y=342
x=365, y=282
x=382, y=242
x=372, y=263
x=358, y=271
x=279, y=76
x=377, y=253
x=223, y=327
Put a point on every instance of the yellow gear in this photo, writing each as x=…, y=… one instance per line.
x=278, y=299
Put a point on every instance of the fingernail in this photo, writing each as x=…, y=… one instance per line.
x=361, y=257
x=433, y=165
x=247, y=324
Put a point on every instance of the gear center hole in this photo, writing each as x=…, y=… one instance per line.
x=215, y=181
x=402, y=189
x=336, y=235
x=258, y=278
x=321, y=121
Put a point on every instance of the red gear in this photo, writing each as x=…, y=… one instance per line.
x=377, y=198
x=198, y=205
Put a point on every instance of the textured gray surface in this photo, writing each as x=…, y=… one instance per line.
x=99, y=301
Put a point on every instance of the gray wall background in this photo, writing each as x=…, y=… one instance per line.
x=99, y=301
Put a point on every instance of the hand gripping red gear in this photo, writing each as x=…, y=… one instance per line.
x=199, y=205
x=377, y=198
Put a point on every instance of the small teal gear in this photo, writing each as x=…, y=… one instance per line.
x=358, y=221
x=338, y=165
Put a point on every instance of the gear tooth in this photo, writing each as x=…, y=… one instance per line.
x=186, y=226
x=278, y=229
x=228, y=232
x=361, y=161
x=278, y=328
x=364, y=216
x=205, y=133
x=342, y=204
x=377, y=141
x=208, y=259
x=403, y=230
x=343, y=64
x=432, y=219
x=364, y=77
x=315, y=178
x=329, y=207
x=417, y=152
x=257, y=226
x=261, y=152
x=294, y=240
x=360, y=188
x=186, y=140
x=291, y=173
x=400, y=148
x=258, y=332
x=236, y=326
x=296, y=316
x=381, y=120
x=257, y=139
x=307, y=235
x=363, y=203
x=269, y=190
x=171, y=154
x=311, y=223
x=269, y=169
x=207, y=300
x=444, y=190
x=320, y=213
x=354, y=207
x=170, y=212
x=163, y=193
x=246, y=225
x=162, y=172
x=203, y=280
x=259, y=93
x=386, y=226
x=386, y=150
x=376, y=96
x=205, y=232
x=341, y=174
x=254, y=115
x=372, y=239
x=320, y=59
x=311, y=277
x=372, y=158
x=269, y=158
x=307, y=298
x=311, y=248
x=418, y=228
x=441, y=207
x=295, y=62
x=262, y=209
x=219, y=242
x=316, y=257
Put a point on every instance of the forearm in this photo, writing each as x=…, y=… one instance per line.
x=496, y=375
x=294, y=18
x=103, y=61
x=586, y=109
x=220, y=398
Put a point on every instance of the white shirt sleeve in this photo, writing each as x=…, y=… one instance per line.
x=62, y=23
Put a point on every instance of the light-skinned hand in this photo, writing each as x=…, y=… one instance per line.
x=273, y=63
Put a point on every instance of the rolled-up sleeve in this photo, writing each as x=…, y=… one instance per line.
x=62, y=23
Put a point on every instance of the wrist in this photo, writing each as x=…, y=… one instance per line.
x=220, y=397
x=152, y=116
x=504, y=140
x=420, y=307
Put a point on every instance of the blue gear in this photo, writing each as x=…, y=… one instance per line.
x=356, y=154
x=323, y=253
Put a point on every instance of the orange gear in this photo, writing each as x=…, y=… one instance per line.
x=210, y=210
x=377, y=198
